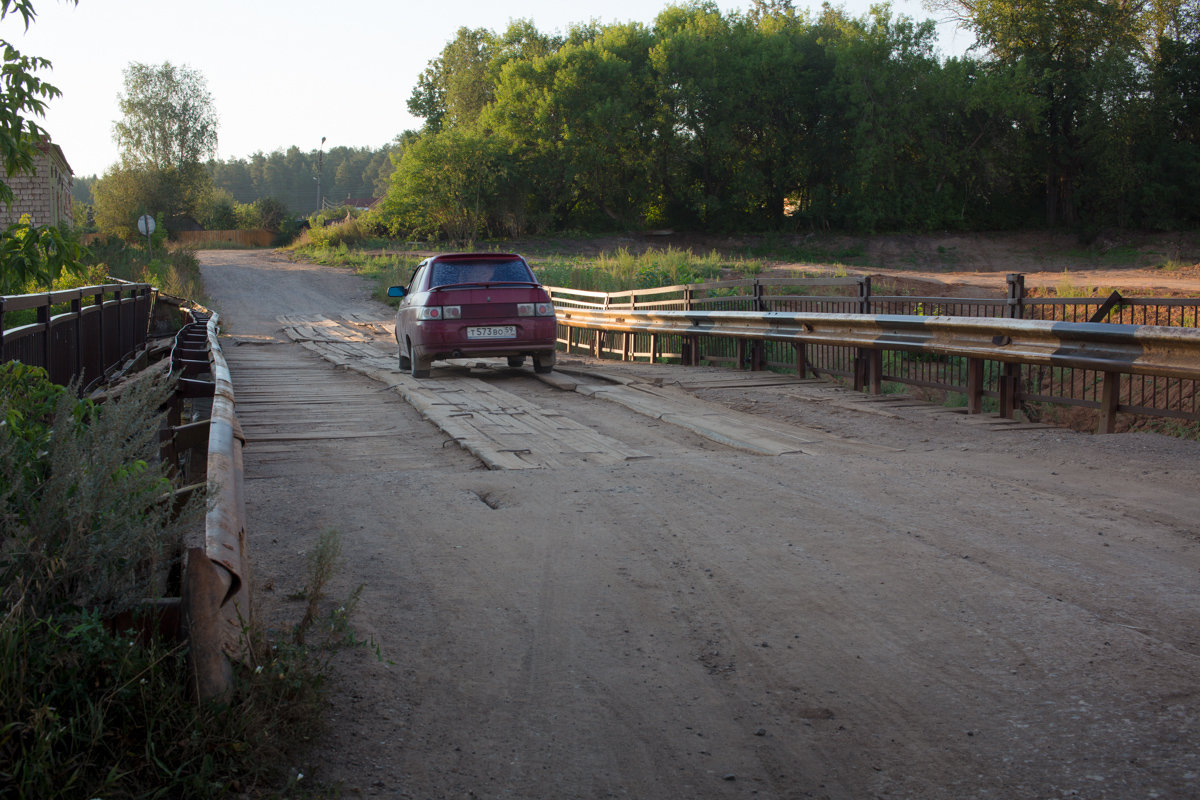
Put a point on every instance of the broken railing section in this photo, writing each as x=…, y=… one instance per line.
x=994, y=356
x=203, y=442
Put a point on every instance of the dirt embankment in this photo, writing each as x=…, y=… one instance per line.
x=948, y=264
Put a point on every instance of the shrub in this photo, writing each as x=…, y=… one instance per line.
x=85, y=525
x=175, y=271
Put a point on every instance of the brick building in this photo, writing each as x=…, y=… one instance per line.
x=45, y=193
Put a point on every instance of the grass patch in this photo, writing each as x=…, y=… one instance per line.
x=622, y=270
x=175, y=271
x=614, y=271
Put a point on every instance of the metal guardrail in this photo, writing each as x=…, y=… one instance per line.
x=215, y=601
x=1134, y=349
x=856, y=296
x=1108, y=349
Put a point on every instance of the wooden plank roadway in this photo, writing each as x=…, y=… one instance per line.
x=288, y=400
x=507, y=432
x=501, y=429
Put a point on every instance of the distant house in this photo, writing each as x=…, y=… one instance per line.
x=360, y=203
x=45, y=193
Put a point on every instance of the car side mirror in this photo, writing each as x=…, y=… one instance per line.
x=397, y=291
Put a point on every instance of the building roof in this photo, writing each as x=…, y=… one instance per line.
x=50, y=148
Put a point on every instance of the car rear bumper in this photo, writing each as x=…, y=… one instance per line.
x=448, y=338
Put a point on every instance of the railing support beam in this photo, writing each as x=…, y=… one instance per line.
x=974, y=385
x=1110, y=401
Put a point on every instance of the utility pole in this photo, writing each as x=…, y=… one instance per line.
x=320, y=160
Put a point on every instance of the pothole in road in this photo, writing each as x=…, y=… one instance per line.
x=489, y=499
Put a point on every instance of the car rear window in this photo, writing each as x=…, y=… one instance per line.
x=447, y=273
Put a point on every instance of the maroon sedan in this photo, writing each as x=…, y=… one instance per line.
x=474, y=304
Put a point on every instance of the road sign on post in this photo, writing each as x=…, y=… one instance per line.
x=146, y=227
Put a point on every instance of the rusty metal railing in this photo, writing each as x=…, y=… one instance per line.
x=216, y=603
x=991, y=349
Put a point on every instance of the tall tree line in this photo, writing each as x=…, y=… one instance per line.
x=290, y=176
x=1081, y=113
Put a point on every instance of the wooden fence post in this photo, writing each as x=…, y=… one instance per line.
x=1016, y=296
x=1110, y=401
x=801, y=359
x=974, y=385
x=98, y=301
x=77, y=310
x=1009, y=377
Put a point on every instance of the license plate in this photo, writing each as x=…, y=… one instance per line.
x=492, y=332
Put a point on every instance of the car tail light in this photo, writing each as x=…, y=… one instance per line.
x=535, y=309
x=439, y=312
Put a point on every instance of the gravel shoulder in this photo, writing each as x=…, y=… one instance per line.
x=969, y=611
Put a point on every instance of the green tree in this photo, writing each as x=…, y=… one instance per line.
x=456, y=85
x=580, y=120
x=445, y=185
x=169, y=119
x=29, y=255
x=1082, y=58
x=169, y=127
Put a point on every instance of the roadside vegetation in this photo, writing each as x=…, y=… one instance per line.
x=95, y=700
x=173, y=271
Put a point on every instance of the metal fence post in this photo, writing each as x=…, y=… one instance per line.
x=864, y=294
x=43, y=318
x=77, y=310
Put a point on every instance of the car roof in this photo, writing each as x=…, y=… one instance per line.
x=476, y=257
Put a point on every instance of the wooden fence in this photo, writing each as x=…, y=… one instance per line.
x=251, y=238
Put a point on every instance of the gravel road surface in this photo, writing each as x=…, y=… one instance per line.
x=965, y=610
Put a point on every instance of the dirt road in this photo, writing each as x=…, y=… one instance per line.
x=946, y=609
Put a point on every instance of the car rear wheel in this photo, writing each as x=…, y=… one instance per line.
x=543, y=363
x=516, y=361
x=418, y=367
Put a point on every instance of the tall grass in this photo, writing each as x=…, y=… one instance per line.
x=622, y=270
x=614, y=271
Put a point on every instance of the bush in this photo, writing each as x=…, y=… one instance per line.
x=342, y=233
x=175, y=271
x=85, y=525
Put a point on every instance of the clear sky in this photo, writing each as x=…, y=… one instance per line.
x=287, y=73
